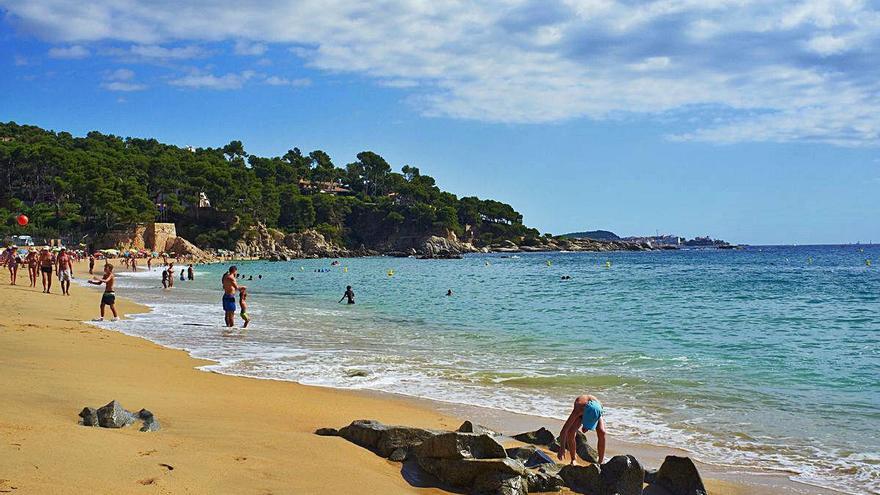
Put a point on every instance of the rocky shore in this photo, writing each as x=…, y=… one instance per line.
x=270, y=244
x=476, y=460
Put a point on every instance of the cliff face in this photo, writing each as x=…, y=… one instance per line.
x=273, y=244
x=159, y=237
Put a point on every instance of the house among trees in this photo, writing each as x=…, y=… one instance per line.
x=333, y=188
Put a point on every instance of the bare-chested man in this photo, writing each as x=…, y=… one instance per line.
x=109, y=297
x=587, y=415
x=229, y=288
x=65, y=271
x=46, y=263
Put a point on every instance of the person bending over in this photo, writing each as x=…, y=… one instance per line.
x=587, y=415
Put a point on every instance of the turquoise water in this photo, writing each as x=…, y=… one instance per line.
x=766, y=357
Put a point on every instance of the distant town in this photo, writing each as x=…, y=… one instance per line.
x=658, y=240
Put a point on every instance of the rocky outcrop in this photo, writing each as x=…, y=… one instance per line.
x=182, y=247
x=113, y=415
x=274, y=245
x=476, y=463
x=677, y=476
x=384, y=439
x=469, y=427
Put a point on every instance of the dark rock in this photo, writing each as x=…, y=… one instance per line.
x=499, y=484
x=144, y=415
x=455, y=445
x=398, y=455
x=327, y=432
x=582, y=479
x=650, y=475
x=468, y=427
x=521, y=453
x=464, y=473
x=679, y=476
x=89, y=416
x=543, y=436
x=543, y=479
x=383, y=439
x=113, y=415
x=538, y=458
x=151, y=424
x=622, y=475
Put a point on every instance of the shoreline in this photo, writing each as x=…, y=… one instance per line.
x=419, y=411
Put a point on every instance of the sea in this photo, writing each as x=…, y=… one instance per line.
x=766, y=357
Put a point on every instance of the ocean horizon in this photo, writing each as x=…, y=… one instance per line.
x=765, y=357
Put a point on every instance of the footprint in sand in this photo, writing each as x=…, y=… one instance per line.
x=148, y=481
x=167, y=466
x=147, y=452
x=6, y=486
x=240, y=459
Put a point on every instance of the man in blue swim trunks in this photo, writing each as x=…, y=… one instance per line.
x=587, y=415
x=229, y=288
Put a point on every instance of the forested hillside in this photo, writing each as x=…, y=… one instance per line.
x=86, y=186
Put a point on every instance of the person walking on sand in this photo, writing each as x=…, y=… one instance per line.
x=109, y=297
x=11, y=260
x=31, y=261
x=65, y=271
x=229, y=288
x=91, y=264
x=349, y=294
x=586, y=414
x=242, y=303
x=46, y=263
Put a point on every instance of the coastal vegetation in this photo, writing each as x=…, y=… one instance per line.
x=85, y=187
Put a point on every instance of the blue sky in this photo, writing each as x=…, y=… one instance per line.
x=752, y=121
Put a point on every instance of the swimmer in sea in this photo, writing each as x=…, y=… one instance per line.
x=449, y=292
x=349, y=294
x=587, y=414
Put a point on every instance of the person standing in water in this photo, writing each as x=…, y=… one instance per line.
x=349, y=294
x=229, y=288
x=586, y=414
x=190, y=274
x=65, y=271
x=171, y=275
x=242, y=302
x=109, y=297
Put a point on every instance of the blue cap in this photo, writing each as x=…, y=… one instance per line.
x=592, y=413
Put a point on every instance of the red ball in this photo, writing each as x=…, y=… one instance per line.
x=22, y=220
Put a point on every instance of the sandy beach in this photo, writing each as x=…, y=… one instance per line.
x=220, y=434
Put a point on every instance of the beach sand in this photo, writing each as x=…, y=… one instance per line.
x=220, y=434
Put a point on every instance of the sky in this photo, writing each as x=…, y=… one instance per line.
x=752, y=121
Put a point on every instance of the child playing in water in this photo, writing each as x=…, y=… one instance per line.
x=242, y=303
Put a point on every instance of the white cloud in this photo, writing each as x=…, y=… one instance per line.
x=121, y=75
x=776, y=70
x=162, y=53
x=122, y=86
x=121, y=80
x=19, y=60
x=283, y=81
x=210, y=81
x=70, y=52
x=243, y=47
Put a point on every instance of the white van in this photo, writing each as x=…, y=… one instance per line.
x=22, y=240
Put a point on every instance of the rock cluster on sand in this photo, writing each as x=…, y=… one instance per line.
x=474, y=461
x=113, y=415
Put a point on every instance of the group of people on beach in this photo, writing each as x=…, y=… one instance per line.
x=43, y=262
x=169, y=272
